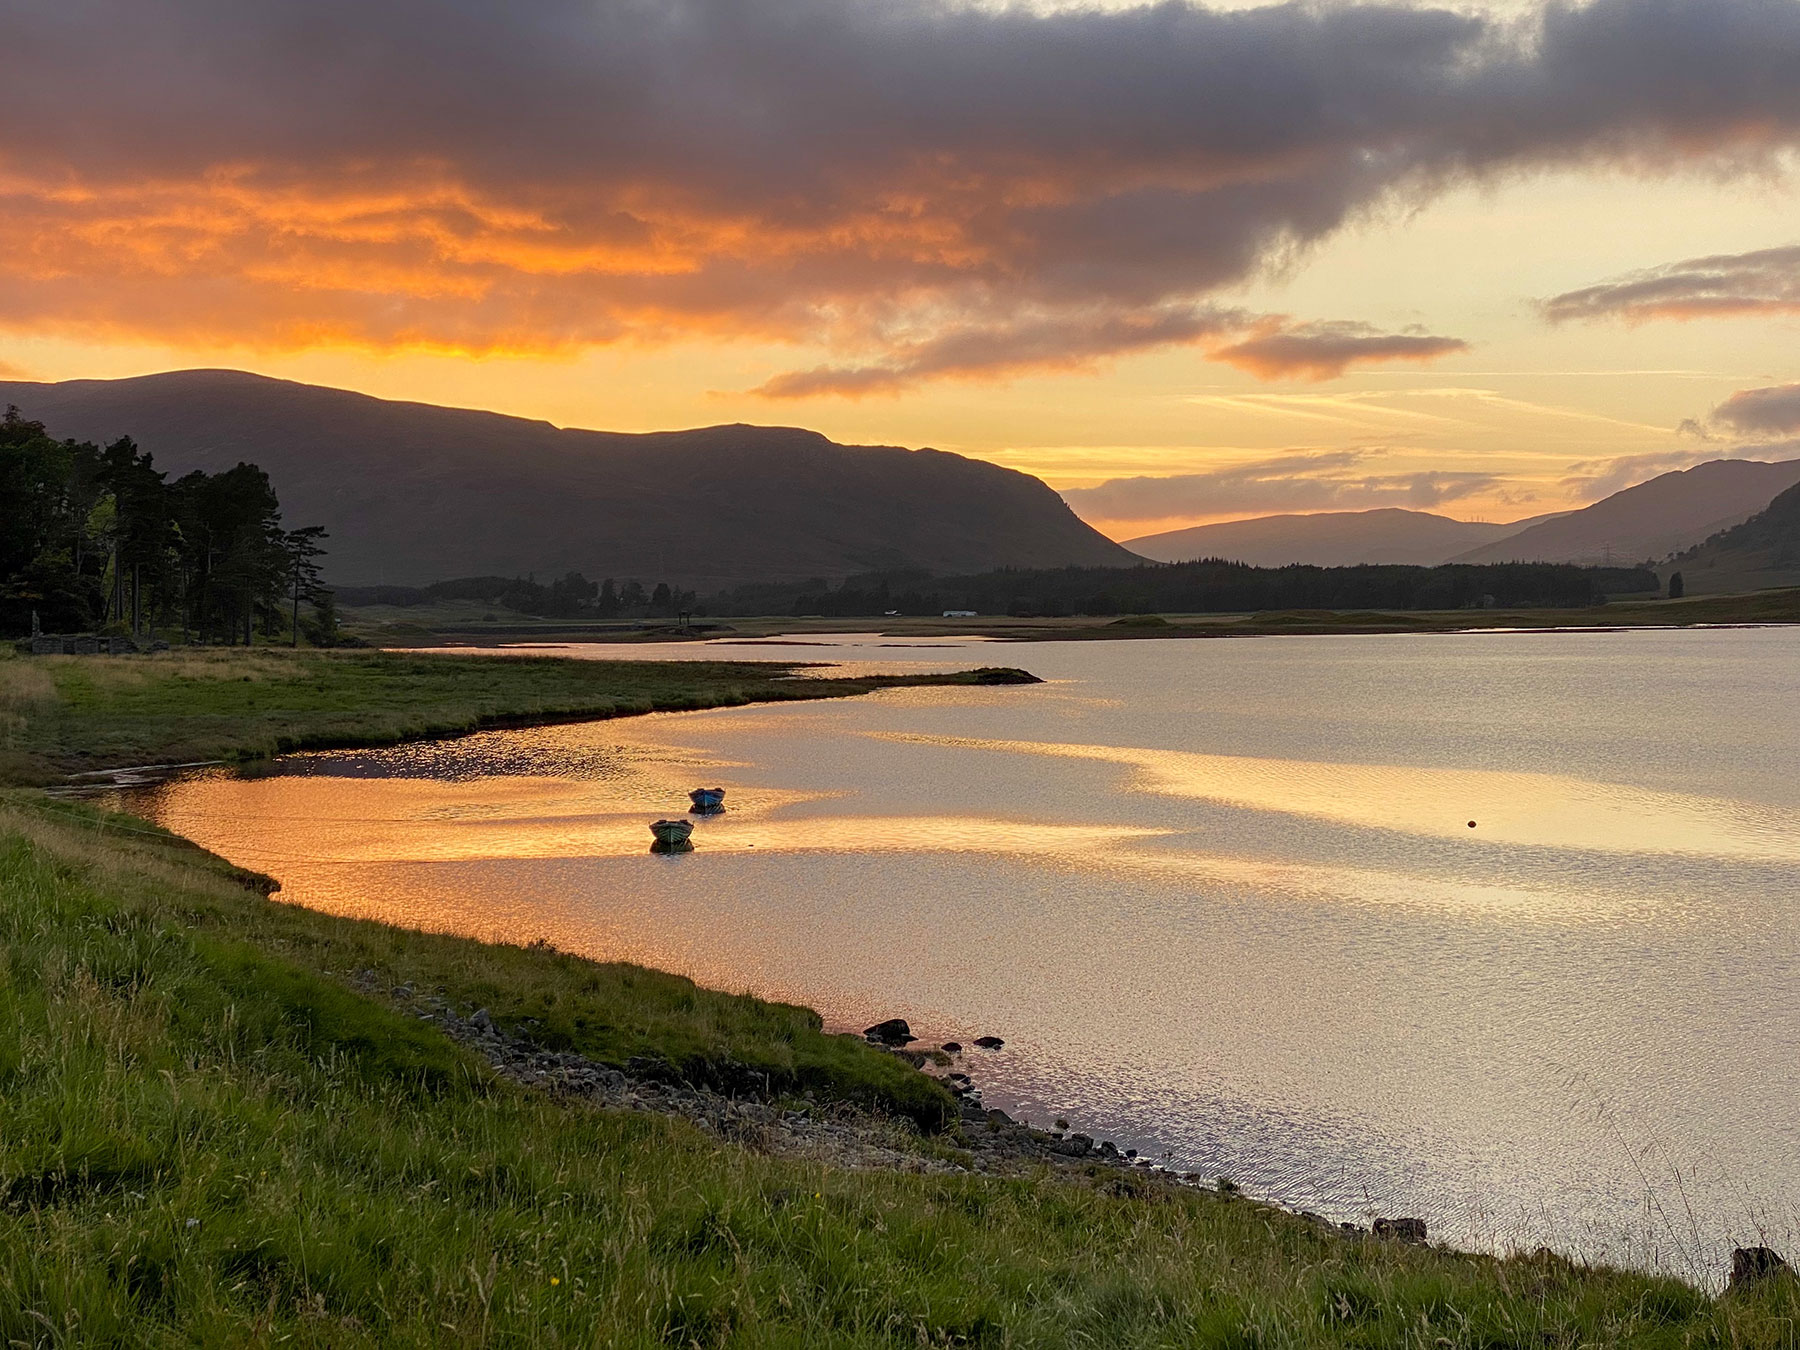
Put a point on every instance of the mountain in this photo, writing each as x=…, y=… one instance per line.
x=1762, y=552
x=1668, y=513
x=413, y=493
x=1326, y=539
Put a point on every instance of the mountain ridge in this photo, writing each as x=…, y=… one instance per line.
x=1387, y=534
x=1652, y=519
x=416, y=492
x=1760, y=553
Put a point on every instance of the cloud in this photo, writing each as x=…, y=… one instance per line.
x=1324, y=351
x=1772, y=411
x=1312, y=480
x=1764, y=282
x=896, y=181
x=1032, y=342
x=1317, y=351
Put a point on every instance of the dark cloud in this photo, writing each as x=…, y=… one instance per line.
x=1315, y=480
x=891, y=177
x=1774, y=411
x=1764, y=282
x=1323, y=351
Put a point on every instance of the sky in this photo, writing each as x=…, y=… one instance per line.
x=1184, y=263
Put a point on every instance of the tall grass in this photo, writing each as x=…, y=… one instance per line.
x=207, y=1140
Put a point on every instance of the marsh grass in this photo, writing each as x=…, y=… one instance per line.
x=67, y=714
x=206, y=1139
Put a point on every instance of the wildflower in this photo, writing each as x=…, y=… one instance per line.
x=556, y=1279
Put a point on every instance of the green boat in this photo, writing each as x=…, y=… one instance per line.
x=672, y=831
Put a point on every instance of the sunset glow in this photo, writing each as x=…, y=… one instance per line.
x=1326, y=258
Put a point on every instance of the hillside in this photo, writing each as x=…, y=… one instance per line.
x=413, y=493
x=1326, y=539
x=1762, y=552
x=1652, y=520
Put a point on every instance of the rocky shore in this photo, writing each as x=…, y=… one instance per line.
x=840, y=1135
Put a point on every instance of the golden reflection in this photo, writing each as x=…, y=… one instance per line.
x=1544, y=810
x=385, y=820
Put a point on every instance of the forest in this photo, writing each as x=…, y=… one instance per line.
x=571, y=596
x=1211, y=585
x=99, y=539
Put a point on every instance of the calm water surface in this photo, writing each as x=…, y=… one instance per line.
x=1221, y=898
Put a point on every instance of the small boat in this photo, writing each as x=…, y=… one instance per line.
x=707, y=799
x=672, y=832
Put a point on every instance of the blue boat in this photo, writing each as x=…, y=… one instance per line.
x=707, y=799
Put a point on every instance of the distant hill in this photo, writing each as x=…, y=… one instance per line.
x=1762, y=552
x=1668, y=513
x=1327, y=539
x=414, y=493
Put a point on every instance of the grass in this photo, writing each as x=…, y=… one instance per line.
x=206, y=1139
x=65, y=714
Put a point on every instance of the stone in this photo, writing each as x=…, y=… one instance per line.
x=894, y=1031
x=1406, y=1230
x=1076, y=1146
x=481, y=1021
x=1751, y=1264
x=986, y=1042
x=951, y=1047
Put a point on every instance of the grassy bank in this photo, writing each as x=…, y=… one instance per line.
x=208, y=1137
x=62, y=715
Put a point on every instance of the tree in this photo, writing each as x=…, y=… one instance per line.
x=303, y=552
x=1677, y=587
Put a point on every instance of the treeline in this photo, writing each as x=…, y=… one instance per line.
x=94, y=538
x=571, y=596
x=1209, y=586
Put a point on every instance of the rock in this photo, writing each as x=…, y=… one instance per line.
x=1351, y=1230
x=951, y=1047
x=481, y=1021
x=1751, y=1264
x=894, y=1031
x=1131, y=1153
x=1406, y=1230
x=1108, y=1149
x=985, y=1042
x=1076, y=1146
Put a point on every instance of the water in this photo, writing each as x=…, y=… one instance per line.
x=1221, y=898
